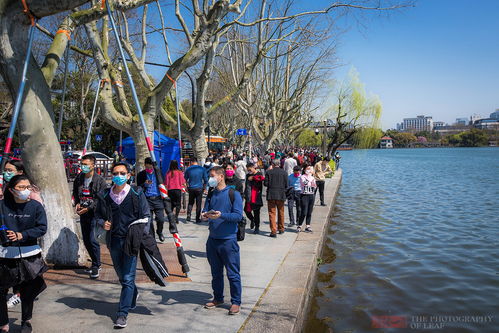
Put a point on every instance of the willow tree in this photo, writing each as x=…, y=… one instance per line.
x=352, y=112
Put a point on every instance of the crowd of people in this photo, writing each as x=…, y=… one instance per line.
x=232, y=183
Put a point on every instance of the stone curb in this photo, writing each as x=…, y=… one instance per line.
x=284, y=304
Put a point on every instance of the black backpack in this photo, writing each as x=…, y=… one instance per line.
x=241, y=225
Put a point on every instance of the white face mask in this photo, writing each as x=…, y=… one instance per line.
x=22, y=195
x=212, y=182
x=308, y=172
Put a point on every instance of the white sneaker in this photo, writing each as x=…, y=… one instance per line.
x=13, y=301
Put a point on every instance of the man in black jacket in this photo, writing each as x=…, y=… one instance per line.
x=121, y=208
x=85, y=188
x=147, y=180
x=276, y=181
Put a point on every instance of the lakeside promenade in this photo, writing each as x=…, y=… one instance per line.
x=277, y=277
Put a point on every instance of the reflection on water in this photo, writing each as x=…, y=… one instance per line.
x=415, y=232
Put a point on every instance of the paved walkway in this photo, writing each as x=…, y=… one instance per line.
x=73, y=303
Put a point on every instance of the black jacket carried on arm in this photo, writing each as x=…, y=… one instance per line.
x=276, y=181
x=139, y=241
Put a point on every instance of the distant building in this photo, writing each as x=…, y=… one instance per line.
x=420, y=123
x=454, y=129
x=461, y=121
x=488, y=123
x=491, y=123
x=475, y=117
x=386, y=142
x=438, y=124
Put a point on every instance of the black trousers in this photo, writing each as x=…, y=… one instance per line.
x=87, y=223
x=29, y=291
x=321, y=184
x=157, y=207
x=195, y=195
x=254, y=216
x=307, y=206
x=176, y=198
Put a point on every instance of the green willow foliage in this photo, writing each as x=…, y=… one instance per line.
x=354, y=113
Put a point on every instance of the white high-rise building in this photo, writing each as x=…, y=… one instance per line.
x=420, y=123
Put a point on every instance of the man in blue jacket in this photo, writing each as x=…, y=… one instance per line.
x=196, y=178
x=224, y=209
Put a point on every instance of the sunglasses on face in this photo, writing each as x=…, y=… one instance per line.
x=123, y=173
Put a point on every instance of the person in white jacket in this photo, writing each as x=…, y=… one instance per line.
x=289, y=164
x=241, y=169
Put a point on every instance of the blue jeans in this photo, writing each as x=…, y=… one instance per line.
x=224, y=253
x=295, y=200
x=125, y=268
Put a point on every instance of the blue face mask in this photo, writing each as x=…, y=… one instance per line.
x=85, y=168
x=212, y=182
x=7, y=175
x=119, y=180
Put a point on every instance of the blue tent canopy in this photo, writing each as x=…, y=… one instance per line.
x=165, y=149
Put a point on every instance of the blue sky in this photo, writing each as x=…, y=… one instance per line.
x=440, y=58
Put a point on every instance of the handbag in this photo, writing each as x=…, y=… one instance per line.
x=16, y=271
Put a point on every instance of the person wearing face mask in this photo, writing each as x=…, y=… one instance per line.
x=223, y=211
x=85, y=188
x=231, y=180
x=21, y=263
x=147, y=180
x=121, y=210
x=253, y=196
x=308, y=188
x=15, y=167
x=294, y=197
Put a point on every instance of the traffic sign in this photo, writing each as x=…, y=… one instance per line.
x=242, y=131
x=98, y=137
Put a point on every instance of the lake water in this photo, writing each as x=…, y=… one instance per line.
x=414, y=242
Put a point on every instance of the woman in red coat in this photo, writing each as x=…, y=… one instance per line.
x=253, y=196
x=175, y=183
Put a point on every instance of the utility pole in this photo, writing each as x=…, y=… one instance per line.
x=324, y=139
